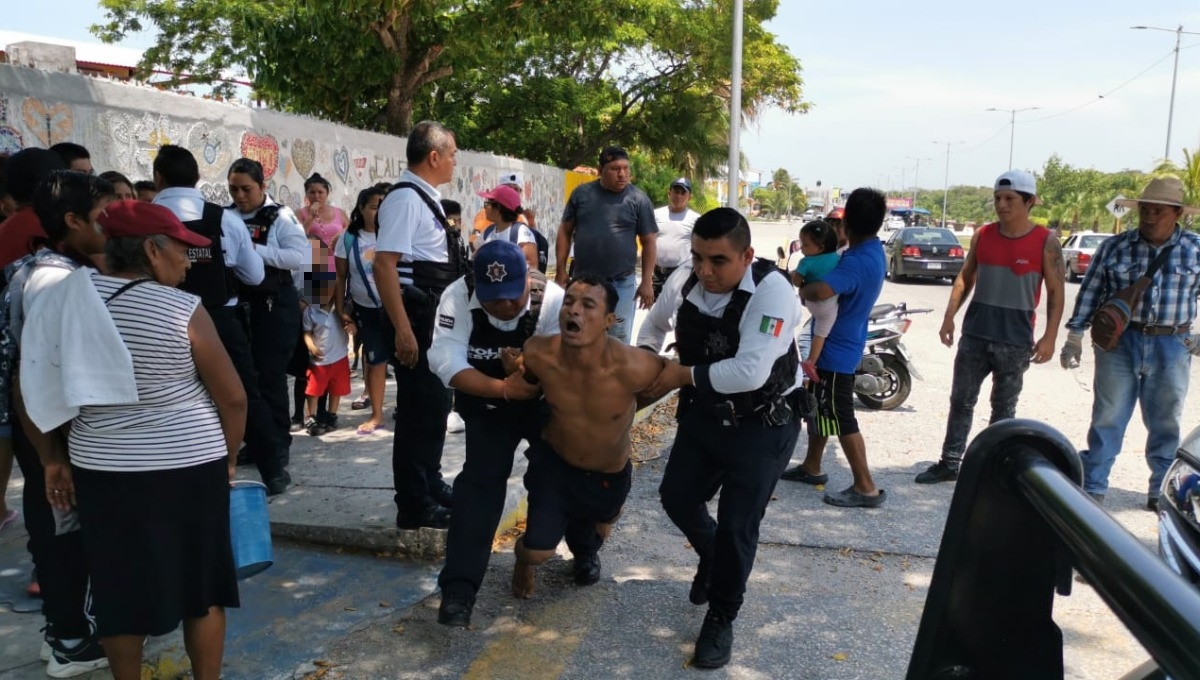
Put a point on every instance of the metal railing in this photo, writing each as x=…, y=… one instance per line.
x=1018, y=524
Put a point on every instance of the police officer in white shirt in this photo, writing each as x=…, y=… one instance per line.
x=417, y=255
x=739, y=413
x=215, y=275
x=274, y=304
x=476, y=333
x=675, y=221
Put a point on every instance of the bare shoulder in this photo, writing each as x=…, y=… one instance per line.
x=638, y=366
x=539, y=347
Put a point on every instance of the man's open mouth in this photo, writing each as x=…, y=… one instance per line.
x=572, y=326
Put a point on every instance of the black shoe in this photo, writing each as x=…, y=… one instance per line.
x=1152, y=503
x=699, y=593
x=455, y=611
x=443, y=493
x=938, y=472
x=329, y=423
x=587, y=569
x=714, y=646
x=67, y=662
x=244, y=458
x=797, y=474
x=297, y=425
x=278, y=484
x=312, y=426
x=436, y=517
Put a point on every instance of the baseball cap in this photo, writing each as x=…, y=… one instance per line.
x=682, y=182
x=611, y=154
x=121, y=219
x=505, y=196
x=500, y=271
x=1017, y=180
x=511, y=178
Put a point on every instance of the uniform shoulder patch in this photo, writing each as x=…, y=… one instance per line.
x=770, y=326
x=445, y=321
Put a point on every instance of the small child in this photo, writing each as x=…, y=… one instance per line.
x=328, y=349
x=819, y=243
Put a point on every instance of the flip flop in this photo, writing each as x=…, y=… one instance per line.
x=360, y=404
x=363, y=430
x=9, y=519
x=850, y=498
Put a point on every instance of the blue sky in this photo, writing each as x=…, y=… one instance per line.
x=888, y=79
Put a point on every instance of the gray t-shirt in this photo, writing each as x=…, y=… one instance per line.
x=607, y=225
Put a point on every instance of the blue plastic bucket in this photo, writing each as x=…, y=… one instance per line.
x=249, y=528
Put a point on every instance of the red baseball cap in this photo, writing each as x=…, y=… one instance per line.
x=121, y=219
x=504, y=195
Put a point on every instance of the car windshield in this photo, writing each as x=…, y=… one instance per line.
x=929, y=237
x=1092, y=241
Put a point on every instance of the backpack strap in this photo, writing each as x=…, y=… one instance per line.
x=1158, y=262
x=123, y=289
x=433, y=205
x=352, y=246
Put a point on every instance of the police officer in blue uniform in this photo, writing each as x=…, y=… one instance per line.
x=739, y=409
x=274, y=305
x=478, y=332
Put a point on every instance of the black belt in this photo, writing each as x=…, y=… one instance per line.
x=1155, y=330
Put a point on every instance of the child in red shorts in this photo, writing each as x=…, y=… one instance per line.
x=328, y=349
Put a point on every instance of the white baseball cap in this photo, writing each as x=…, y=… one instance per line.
x=513, y=178
x=1017, y=180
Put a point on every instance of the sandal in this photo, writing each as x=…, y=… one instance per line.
x=364, y=429
x=360, y=404
x=853, y=499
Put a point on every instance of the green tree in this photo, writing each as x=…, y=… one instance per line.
x=540, y=79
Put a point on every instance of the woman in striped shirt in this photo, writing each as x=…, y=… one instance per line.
x=152, y=478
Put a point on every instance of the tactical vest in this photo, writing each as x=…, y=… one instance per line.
x=274, y=278
x=701, y=339
x=483, y=353
x=434, y=277
x=208, y=276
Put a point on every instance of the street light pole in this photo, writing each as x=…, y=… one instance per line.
x=916, y=178
x=946, y=188
x=1012, y=135
x=735, y=109
x=1179, y=33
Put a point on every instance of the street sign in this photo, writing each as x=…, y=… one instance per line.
x=1118, y=211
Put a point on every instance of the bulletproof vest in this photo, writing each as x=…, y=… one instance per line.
x=260, y=227
x=701, y=339
x=434, y=277
x=208, y=276
x=483, y=353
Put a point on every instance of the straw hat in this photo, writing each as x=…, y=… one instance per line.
x=1164, y=191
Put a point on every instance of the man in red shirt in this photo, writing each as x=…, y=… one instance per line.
x=26, y=169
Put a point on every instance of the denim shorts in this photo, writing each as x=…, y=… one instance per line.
x=370, y=333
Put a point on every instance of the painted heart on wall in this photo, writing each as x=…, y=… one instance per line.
x=49, y=124
x=261, y=148
x=360, y=167
x=304, y=156
x=341, y=164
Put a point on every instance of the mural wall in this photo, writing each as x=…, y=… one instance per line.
x=122, y=125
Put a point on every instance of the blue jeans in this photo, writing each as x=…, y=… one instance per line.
x=626, y=307
x=1150, y=370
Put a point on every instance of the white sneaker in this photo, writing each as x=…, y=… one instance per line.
x=454, y=423
x=45, y=653
x=83, y=658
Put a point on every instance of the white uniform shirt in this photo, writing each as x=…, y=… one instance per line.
x=524, y=235
x=674, y=243
x=188, y=204
x=287, y=245
x=767, y=328
x=407, y=227
x=452, y=334
x=329, y=335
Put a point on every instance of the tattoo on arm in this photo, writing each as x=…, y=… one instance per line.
x=1054, y=257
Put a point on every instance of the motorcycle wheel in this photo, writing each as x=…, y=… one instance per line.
x=898, y=388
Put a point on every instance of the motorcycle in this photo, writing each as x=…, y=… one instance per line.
x=884, y=376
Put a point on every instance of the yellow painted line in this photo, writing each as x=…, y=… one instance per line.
x=540, y=647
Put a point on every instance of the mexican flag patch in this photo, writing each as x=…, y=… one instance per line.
x=771, y=326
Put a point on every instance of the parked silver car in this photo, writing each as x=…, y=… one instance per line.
x=1179, y=511
x=1079, y=250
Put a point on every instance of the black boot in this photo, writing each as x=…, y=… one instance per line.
x=714, y=646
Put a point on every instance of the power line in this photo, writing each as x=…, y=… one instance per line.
x=1102, y=96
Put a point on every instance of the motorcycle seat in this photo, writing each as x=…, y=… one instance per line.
x=881, y=310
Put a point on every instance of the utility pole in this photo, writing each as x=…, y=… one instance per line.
x=1179, y=33
x=735, y=109
x=946, y=188
x=1012, y=134
x=916, y=178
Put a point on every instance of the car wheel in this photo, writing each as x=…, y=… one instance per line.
x=1071, y=275
x=897, y=277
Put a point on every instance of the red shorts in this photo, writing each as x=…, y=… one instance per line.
x=331, y=379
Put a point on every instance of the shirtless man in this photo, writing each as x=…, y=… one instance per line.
x=579, y=471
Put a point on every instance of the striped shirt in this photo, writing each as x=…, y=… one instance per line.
x=1119, y=261
x=175, y=423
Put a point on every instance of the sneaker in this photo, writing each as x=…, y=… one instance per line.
x=82, y=658
x=938, y=472
x=455, y=611
x=312, y=426
x=329, y=423
x=454, y=423
x=297, y=425
x=714, y=646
